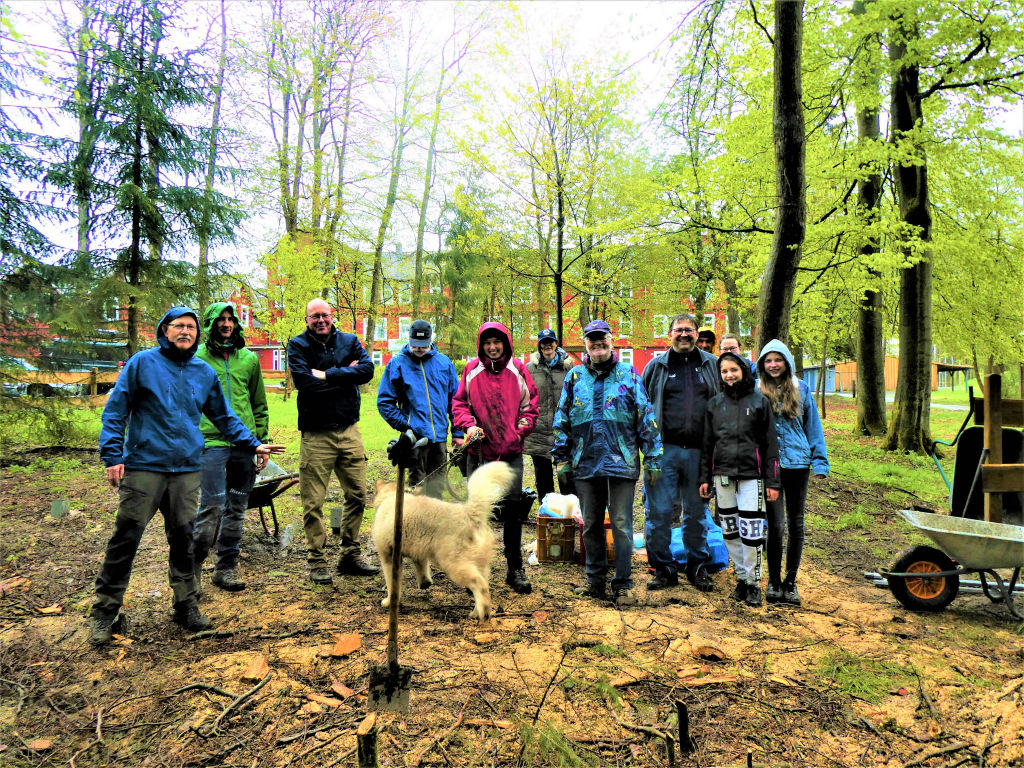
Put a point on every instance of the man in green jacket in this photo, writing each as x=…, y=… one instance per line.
x=228, y=473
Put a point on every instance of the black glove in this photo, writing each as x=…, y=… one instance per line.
x=400, y=450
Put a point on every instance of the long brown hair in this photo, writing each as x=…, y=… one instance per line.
x=782, y=392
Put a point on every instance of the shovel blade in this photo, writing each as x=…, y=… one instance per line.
x=389, y=688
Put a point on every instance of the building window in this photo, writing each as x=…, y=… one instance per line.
x=110, y=310
x=625, y=327
x=377, y=357
x=660, y=326
x=381, y=328
x=745, y=328
x=277, y=363
x=363, y=325
x=243, y=315
x=624, y=291
x=403, y=327
x=405, y=292
x=709, y=321
x=626, y=356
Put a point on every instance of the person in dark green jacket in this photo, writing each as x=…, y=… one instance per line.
x=228, y=472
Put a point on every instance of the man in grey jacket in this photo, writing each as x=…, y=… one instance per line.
x=679, y=383
x=548, y=366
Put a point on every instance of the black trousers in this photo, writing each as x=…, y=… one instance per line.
x=786, y=515
x=543, y=469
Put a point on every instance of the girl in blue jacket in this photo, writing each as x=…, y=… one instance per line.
x=801, y=450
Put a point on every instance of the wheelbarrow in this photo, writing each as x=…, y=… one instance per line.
x=927, y=578
x=270, y=483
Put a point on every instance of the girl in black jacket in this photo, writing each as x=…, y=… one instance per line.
x=740, y=453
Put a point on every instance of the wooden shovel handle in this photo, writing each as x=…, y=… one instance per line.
x=396, y=574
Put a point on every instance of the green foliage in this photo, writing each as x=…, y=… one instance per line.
x=550, y=746
x=608, y=692
x=28, y=422
x=865, y=678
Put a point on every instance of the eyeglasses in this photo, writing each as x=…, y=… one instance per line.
x=684, y=331
x=183, y=327
x=319, y=316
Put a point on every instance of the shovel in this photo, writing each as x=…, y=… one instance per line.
x=389, y=683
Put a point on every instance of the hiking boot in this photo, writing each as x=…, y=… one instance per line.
x=624, y=597
x=228, y=579
x=192, y=619
x=789, y=594
x=774, y=593
x=518, y=582
x=753, y=597
x=355, y=565
x=320, y=576
x=102, y=629
x=594, y=589
x=740, y=593
x=662, y=581
x=700, y=579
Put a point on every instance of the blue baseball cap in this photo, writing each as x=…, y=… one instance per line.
x=597, y=328
x=420, y=334
x=546, y=335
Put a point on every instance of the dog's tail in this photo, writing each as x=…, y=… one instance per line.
x=487, y=486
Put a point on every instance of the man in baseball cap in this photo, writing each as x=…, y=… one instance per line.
x=416, y=393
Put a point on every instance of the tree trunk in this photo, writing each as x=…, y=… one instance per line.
x=870, y=349
x=417, y=283
x=909, y=429
x=791, y=215
x=204, y=287
x=559, y=256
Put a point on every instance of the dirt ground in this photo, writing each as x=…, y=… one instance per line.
x=851, y=679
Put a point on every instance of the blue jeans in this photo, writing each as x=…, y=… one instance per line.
x=680, y=468
x=227, y=477
x=616, y=495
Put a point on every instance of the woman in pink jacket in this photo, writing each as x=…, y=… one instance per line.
x=497, y=400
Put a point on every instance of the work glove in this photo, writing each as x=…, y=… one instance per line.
x=651, y=477
x=400, y=450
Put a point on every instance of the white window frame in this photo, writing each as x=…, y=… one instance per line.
x=659, y=326
x=111, y=311
x=277, y=359
x=243, y=315
x=381, y=329
x=403, y=326
x=405, y=292
x=709, y=320
x=378, y=357
x=365, y=324
x=626, y=355
x=625, y=327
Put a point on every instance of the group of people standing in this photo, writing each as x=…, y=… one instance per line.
x=184, y=422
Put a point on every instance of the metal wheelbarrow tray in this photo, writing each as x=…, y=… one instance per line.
x=270, y=483
x=928, y=578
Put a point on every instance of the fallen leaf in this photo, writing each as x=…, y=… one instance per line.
x=311, y=708
x=540, y=616
x=51, y=609
x=482, y=638
x=326, y=701
x=901, y=691
x=39, y=745
x=12, y=584
x=341, y=689
x=698, y=670
x=257, y=669
x=346, y=644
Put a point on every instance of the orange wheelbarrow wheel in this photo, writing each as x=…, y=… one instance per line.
x=923, y=588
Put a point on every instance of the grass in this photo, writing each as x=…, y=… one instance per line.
x=865, y=678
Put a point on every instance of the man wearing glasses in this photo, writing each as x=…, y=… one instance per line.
x=151, y=445
x=327, y=367
x=679, y=382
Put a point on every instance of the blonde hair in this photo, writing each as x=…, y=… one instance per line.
x=781, y=393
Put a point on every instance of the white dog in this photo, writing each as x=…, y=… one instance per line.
x=455, y=537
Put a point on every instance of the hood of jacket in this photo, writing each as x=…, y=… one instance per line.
x=775, y=346
x=746, y=382
x=490, y=329
x=215, y=310
x=562, y=360
x=166, y=347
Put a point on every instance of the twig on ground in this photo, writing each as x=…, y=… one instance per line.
x=440, y=740
x=238, y=701
x=342, y=757
x=94, y=742
x=670, y=742
x=924, y=758
x=924, y=696
x=201, y=687
x=303, y=734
